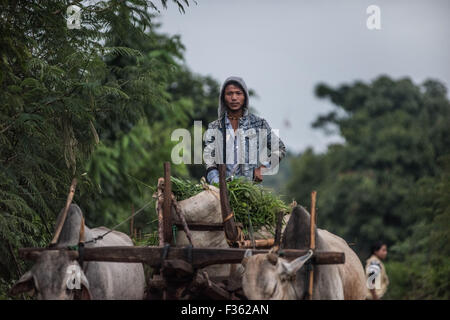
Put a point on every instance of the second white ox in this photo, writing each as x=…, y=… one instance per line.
x=267, y=276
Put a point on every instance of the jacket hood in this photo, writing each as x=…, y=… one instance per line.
x=222, y=107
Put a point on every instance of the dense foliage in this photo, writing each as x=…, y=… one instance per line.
x=97, y=103
x=389, y=181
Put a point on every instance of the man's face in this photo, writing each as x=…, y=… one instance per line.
x=234, y=97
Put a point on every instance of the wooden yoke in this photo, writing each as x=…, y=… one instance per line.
x=231, y=230
x=312, y=240
x=167, y=205
x=201, y=257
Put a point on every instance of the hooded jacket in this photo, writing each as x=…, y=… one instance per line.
x=239, y=160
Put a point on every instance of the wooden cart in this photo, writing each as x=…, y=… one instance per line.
x=176, y=270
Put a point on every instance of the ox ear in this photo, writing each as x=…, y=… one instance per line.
x=24, y=285
x=248, y=253
x=292, y=267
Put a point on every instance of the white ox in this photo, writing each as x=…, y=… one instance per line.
x=267, y=276
x=51, y=277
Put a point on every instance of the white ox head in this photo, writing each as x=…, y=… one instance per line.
x=56, y=275
x=269, y=277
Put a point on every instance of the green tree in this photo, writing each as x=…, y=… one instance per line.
x=58, y=94
x=420, y=265
x=394, y=134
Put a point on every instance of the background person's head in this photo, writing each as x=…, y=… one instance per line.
x=234, y=96
x=379, y=249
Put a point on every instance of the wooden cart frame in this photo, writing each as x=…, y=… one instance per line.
x=177, y=273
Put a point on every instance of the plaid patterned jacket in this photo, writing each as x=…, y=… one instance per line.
x=246, y=122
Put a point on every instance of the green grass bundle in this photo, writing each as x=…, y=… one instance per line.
x=184, y=189
x=247, y=200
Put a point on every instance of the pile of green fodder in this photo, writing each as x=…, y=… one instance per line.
x=249, y=201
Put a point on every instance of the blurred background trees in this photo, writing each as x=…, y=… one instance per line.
x=100, y=103
x=388, y=181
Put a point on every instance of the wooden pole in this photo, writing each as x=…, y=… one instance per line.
x=312, y=241
x=201, y=257
x=81, y=235
x=277, y=241
x=203, y=283
x=258, y=243
x=229, y=223
x=159, y=209
x=182, y=218
x=167, y=205
x=64, y=214
x=132, y=221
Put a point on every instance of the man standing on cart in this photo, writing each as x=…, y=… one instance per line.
x=247, y=138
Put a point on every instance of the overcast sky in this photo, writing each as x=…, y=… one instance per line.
x=282, y=49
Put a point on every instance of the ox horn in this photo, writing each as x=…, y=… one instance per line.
x=293, y=266
x=273, y=258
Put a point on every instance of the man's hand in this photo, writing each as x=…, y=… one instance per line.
x=257, y=175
